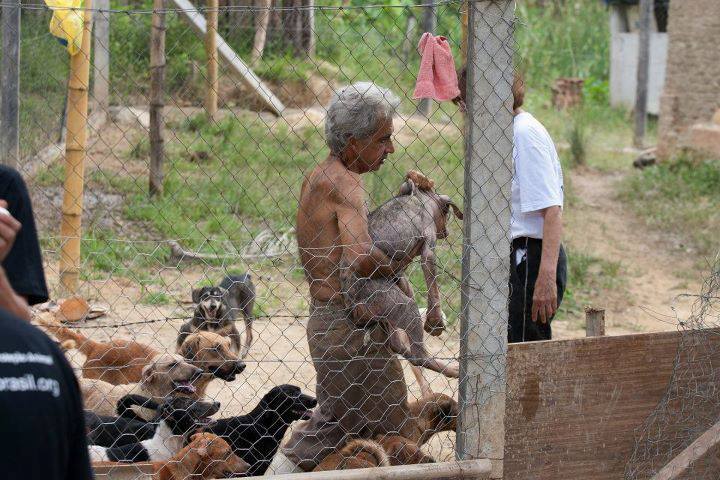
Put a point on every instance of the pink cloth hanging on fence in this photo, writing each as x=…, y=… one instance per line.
x=437, y=78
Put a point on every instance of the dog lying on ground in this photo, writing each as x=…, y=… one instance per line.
x=357, y=453
x=218, y=308
x=177, y=417
x=405, y=226
x=206, y=456
x=432, y=414
x=255, y=437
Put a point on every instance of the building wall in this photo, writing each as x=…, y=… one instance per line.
x=692, y=84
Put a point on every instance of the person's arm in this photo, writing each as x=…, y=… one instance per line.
x=545, y=296
x=9, y=228
x=11, y=301
x=359, y=253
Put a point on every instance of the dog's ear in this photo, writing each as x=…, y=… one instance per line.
x=190, y=347
x=458, y=213
x=147, y=372
x=448, y=201
x=408, y=188
x=196, y=295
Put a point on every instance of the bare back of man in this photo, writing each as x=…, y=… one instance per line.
x=318, y=234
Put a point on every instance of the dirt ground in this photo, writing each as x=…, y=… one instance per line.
x=656, y=271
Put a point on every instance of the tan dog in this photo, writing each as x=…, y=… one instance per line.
x=116, y=362
x=166, y=374
x=357, y=453
x=214, y=354
x=206, y=456
x=120, y=362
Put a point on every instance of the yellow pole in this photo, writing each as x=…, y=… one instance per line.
x=70, y=228
x=212, y=58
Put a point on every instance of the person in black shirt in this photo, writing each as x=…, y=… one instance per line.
x=23, y=263
x=42, y=426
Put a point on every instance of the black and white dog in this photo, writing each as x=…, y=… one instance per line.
x=177, y=418
x=128, y=427
x=217, y=308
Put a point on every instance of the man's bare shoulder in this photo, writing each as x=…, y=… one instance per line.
x=333, y=181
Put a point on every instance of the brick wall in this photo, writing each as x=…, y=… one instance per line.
x=692, y=84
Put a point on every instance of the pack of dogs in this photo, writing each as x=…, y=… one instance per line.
x=144, y=405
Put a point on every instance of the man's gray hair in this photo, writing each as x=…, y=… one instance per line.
x=357, y=111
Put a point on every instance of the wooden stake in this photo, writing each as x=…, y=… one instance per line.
x=211, y=99
x=262, y=19
x=70, y=228
x=157, y=97
x=643, y=68
x=594, y=322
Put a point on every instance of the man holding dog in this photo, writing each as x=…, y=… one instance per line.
x=361, y=389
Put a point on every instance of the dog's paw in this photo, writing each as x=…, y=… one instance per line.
x=433, y=325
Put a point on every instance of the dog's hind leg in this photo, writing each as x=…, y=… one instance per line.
x=249, y=318
x=399, y=312
x=425, y=388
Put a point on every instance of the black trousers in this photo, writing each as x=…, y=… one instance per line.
x=523, y=276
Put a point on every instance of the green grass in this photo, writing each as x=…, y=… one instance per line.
x=680, y=196
x=155, y=298
x=588, y=278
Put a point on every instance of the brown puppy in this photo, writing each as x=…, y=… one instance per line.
x=402, y=451
x=116, y=362
x=357, y=453
x=206, y=456
x=214, y=354
x=166, y=374
x=432, y=414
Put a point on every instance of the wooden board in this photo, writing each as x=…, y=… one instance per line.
x=573, y=406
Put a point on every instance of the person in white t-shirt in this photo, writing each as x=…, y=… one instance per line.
x=538, y=264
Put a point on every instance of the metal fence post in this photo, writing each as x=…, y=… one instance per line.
x=486, y=243
x=10, y=79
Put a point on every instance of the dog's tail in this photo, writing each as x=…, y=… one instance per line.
x=68, y=337
x=358, y=445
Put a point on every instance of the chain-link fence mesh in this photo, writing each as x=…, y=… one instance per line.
x=679, y=438
x=221, y=241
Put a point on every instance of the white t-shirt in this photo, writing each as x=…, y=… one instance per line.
x=537, y=181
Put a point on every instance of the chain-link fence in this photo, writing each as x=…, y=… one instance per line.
x=679, y=439
x=194, y=208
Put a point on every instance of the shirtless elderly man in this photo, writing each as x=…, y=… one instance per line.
x=361, y=388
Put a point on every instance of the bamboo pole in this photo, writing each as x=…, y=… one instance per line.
x=211, y=99
x=70, y=228
x=157, y=97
